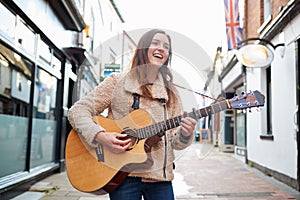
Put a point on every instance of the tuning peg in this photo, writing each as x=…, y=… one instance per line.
x=250, y=110
x=236, y=96
x=258, y=109
x=244, y=111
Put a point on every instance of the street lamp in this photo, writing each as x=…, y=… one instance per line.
x=257, y=52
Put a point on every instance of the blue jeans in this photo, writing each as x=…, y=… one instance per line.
x=132, y=188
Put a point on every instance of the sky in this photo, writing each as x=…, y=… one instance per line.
x=195, y=26
x=201, y=20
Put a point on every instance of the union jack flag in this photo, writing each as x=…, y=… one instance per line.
x=233, y=30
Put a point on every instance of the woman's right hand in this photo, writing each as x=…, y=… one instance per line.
x=114, y=141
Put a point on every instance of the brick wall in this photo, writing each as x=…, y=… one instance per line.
x=254, y=15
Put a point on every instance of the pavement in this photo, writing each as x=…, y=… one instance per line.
x=203, y=172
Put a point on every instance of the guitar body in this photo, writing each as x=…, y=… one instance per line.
x=87, y=174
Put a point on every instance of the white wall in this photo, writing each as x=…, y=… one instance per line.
x=281, y=153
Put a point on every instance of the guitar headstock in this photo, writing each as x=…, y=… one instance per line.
x=247, y=100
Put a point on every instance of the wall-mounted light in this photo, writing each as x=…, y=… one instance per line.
x=87, y=31
x=256, y=52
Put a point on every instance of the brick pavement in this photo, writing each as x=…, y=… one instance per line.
x=211, y=174
x=202, y=172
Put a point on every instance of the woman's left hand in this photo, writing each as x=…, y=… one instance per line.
x=188, y=126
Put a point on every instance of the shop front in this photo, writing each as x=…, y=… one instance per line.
x=234, y=123
x=35, y=77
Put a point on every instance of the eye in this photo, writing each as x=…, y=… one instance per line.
x=166, y=46
x=154, y=43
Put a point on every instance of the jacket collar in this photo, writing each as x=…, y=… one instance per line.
x=158, y=88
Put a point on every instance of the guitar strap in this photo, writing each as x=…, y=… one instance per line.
x=136, y=101
x=163, y=101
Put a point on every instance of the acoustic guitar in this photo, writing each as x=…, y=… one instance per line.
x=99, y=171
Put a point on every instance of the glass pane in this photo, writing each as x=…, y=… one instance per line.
x=15, y=84
x=7, y=26
x=240, y=130
x=56, y=64
x=44, y=121
x=26, y=38
x=44, y=52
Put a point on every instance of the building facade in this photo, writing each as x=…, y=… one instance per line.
x=268, y=139
x=51, y=55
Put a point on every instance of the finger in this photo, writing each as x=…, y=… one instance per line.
x=121, y=148
x=121, y=135
x=185, y=131
x=117, y=148
x=187, y=127
x=192, y=120
x=186, y=123
x=127, y=146
x=124, y=142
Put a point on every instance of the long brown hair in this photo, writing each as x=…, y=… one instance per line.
x=140, y=61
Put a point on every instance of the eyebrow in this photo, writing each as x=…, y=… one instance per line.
x=167, y=43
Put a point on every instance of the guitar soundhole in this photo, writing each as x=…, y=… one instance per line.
x=131, y=134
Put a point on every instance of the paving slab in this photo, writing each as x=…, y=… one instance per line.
x=202, y=171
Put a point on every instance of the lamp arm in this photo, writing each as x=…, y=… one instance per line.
x=260, y=39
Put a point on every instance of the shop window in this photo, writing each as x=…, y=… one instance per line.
x=269, y=102
x=44, y=118
x=268, y=135
x=15, y=90
x=112, y=56
x=44, y=52
x=56, y=64
x=240, y=123
x=26, y=37
x=267, y=9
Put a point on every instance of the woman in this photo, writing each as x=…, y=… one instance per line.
x=148, y=86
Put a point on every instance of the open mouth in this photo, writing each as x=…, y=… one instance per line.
x=157, y=55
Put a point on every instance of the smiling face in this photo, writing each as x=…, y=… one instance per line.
x=158, y=51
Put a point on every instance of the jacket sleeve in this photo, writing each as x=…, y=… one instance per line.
x=94, y=103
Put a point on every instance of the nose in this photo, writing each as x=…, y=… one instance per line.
x=161, y=47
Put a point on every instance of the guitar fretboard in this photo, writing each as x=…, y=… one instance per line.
x=171, y=123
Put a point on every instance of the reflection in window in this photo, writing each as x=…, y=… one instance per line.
x=15, y=83
x=15, y=88
x=44, y=120
x=45, y=95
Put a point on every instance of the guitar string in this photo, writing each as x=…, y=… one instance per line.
x=203, y=95
x=203, y=155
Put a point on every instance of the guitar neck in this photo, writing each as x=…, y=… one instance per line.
x=174, y=122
